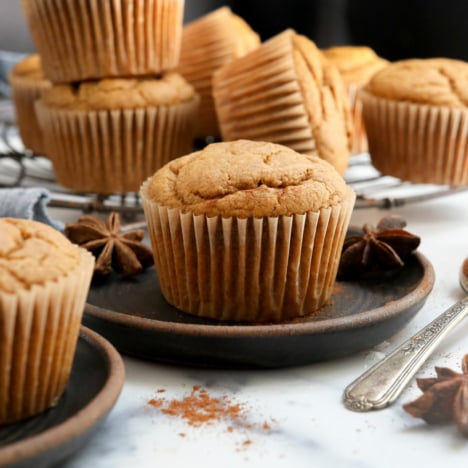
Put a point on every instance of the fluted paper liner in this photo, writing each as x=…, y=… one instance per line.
x=115, y=151
x=247, y=269
x=80, y=40
x=417, y=143
x=207, y=44
x=262, y=100
x=359, y=137
x=39, y=330
x=25, y=94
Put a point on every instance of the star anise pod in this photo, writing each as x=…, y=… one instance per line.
x=380, y=249
x=445, y=398
x=123, y=252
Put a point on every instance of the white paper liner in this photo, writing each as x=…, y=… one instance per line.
x=25, y=93
x=417, y=143
x=79, y=40
x=359, y=137
x=38, y=334
x=114, y=151
x=247, y=269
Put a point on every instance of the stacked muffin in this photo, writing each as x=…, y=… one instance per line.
x=114, y=113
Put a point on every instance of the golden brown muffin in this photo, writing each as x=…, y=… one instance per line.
x=208, y=43
x=27, y=83
x=285, y=92
x=416, y=117
x=44, y=281
x=108, y=136
x=356, y=65
x=81, y=40
x=247, y=231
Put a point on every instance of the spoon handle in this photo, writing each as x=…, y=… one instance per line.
x=381, y=385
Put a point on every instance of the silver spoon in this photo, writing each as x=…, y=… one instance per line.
x=381, y=385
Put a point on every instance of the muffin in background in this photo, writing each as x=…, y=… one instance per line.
x=27, y=82
x=81, y=40
x=247, y=231
x=208, y=43
x=108, y=136
x=416, y=118
x=44, y=281
x=286, y=92
x=356, y=64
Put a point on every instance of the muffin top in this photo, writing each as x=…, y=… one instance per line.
x=437, y=81
x=120, y=93
x=247, y=179
x=32, y=253
x=356, y=64
x=30, y=68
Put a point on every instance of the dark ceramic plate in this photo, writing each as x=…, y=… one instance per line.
x=48, y=439
x=134, y=316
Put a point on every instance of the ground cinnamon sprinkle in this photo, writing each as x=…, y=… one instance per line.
x=199, y=408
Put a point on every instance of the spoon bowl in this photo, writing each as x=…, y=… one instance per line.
x=464, y=276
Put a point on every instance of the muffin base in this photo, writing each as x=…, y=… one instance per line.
x=39, y=330
x=417, y=143
x=114, y=151
x=247, y=269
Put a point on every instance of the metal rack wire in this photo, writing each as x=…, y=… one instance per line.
x=21, y=168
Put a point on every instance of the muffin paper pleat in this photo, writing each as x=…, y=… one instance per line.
x=415, y=142
x=38, y=334
x=267, y=269
x=208, y=44
x=105, y=38
x=114, y=151
x=25, y=93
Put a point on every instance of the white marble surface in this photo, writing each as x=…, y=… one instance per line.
x=309, y=426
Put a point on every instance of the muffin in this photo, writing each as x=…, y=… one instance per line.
x=247, y=231
x=105, y=38
x=356, y=65
x=416, y=118
x=207, y=44
x=108, y=136
x=285, y=92
x=27, y=82
x=44, y=281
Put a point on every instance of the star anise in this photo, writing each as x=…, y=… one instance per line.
x=445, y=398
x=123, y=252
x=380, y=249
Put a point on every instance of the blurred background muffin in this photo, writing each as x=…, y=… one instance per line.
x=416, y=117
x=207, y=44
x=247, y=231
x=83, y=40
x=27, y=83
x=109, y=135
x=285, y=92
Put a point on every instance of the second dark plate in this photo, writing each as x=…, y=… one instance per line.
x=134, y=316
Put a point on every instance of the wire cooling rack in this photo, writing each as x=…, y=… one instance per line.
x=21, y=168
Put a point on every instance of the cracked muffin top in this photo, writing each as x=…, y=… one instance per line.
x=247, y=179
x=356, y=64
x=437, y=81
x=120, y=93
x=30, y=68
x=32, y=253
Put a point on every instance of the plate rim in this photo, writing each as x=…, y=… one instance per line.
x=363, y=318
x=84, y=419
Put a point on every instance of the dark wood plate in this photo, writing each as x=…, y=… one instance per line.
x=48, y=439
x=134, y=316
